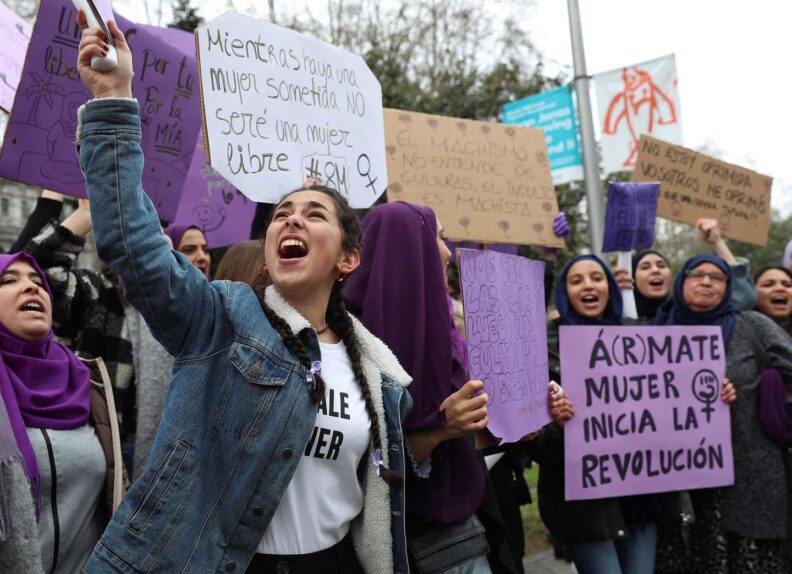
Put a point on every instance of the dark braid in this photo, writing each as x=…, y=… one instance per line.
x=294, y=344
x=338, y=320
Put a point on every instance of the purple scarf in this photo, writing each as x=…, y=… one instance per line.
x=399, y=293
x=42, y=384
x=176, y=231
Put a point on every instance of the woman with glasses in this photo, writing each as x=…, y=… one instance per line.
x=651, y=278
x=739, y=529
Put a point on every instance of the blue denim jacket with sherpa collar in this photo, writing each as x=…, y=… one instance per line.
x=238, y=412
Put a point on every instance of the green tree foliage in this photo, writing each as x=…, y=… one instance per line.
x=447, y=57
x=771, y=253
x=185, y=16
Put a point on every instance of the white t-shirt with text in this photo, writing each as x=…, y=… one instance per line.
x=324, y=494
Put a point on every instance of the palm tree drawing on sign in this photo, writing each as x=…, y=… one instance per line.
x=638, y=108
x=42, y=89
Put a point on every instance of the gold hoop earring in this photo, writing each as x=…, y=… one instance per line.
x=262, y=272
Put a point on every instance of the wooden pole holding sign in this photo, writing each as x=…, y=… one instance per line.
x=488, y=183
x=694, y=185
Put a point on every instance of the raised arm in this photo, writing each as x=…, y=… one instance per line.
x=179, y=305
x=743, y=288
x=48, y=207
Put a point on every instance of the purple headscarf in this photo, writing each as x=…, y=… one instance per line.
x=42, y=384
x=176, y=231
x=399, y=293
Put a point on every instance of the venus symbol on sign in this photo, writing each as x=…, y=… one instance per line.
x=705, y=389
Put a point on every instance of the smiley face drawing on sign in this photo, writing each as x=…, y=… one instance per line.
x=705, y=389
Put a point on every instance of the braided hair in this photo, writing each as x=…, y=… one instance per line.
x=339, y=321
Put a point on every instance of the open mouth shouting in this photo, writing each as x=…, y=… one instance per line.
x=32, y=307
x=779, y=302
x=292, y=249
x=590, y=301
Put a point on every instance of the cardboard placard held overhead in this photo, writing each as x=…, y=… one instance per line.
x=694, y=185
x=487, y=182
x=280, y=107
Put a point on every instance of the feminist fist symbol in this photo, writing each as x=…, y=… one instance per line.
x=705, y=389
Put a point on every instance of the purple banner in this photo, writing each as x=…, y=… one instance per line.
x=14, y=38
x=507, y=339
x=630, y=215
x=648, y=412
x=39, y=142
x=214, y=205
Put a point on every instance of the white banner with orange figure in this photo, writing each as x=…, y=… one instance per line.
x=636, y=100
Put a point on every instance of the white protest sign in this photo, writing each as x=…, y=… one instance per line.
x=280, y=106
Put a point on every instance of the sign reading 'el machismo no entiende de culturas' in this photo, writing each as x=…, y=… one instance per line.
x=280, y=107
x=648, y=412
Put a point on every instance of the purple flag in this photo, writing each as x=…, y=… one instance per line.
x=14, y=38
x=630, y=215
x=214, y=205
x=39, y=141
x=648, y=412
x=507, y=339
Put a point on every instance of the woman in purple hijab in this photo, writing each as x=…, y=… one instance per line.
x=191, y=241
x=399, y=293
x=53, y=466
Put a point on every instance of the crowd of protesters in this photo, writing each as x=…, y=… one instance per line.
x=309, y=408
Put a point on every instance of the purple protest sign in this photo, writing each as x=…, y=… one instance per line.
x=39, y=142
x=214, y=205
x=630, y=215
x=208, y=200
x=14, y=37
x=509, y=248
x=648, y=413
x=507, y=338
x=184, y=41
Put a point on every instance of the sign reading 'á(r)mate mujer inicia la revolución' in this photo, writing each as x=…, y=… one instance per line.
x=648, y=412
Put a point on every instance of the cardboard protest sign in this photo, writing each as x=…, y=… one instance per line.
x=39, y=142
x=280, y=106
x=648, y=413
x=14, y=37
x=506, y=334
x=630, y=216
x=487, y=183
x=214, y=205
x=694, y=185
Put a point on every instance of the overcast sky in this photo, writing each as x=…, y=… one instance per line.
x=732, y=63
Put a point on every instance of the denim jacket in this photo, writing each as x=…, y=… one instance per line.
x=238, y=412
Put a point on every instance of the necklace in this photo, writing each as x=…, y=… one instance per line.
x=322, y=330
